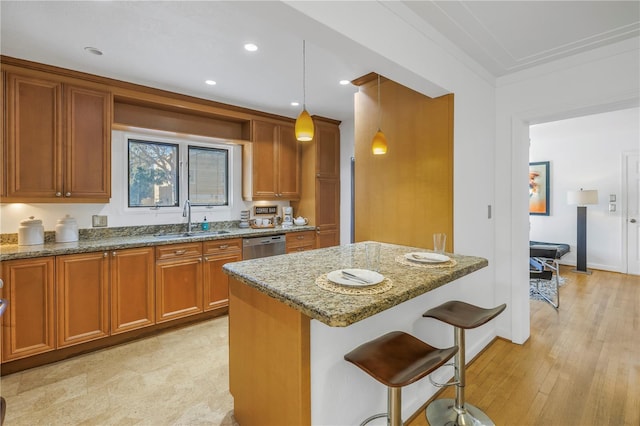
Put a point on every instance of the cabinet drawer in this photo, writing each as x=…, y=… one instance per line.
x=306, y=240
x=176, y=251
x=216, y=247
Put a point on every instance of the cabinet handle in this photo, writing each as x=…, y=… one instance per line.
x=206, y=259
x=67, y=194
x=179, y=252
x=317, y=174
x=58, y=194
x=300, y=237
x=105, y=254
x=223, y=246
x=113, y=253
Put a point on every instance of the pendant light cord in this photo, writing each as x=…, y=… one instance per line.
x=304, y=75
x=379, y=109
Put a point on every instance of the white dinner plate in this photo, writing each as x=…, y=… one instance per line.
x=371, y=277
x=424, y=257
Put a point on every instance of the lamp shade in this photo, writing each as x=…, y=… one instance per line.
x=582, y=197
x=379, y=143
x=304, y=127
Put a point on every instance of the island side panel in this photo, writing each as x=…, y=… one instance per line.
x=269, y=373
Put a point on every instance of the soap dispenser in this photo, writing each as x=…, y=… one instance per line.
x=205, y=224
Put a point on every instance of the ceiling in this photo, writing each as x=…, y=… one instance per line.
x=176, y=46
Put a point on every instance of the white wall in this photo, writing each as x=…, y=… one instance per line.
x=586, y=152
x=116, y=211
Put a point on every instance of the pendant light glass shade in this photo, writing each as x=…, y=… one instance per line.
x=304, y=127
x=379, y=142
x=304, y=123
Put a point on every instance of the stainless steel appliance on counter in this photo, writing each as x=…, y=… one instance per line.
x=255, y=247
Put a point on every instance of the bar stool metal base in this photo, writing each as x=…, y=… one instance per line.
x=442, y=412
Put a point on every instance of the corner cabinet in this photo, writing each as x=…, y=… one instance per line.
x=273, y=158
x=320, y=200
x=60, y=127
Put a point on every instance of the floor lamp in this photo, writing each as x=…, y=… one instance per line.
x=582, y=198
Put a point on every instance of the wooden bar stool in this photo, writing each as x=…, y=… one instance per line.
x=462, y=316
x=397, y=359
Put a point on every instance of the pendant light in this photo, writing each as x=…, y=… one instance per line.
x=379, y=142
x=304, y=123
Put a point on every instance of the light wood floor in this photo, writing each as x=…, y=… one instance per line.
x=581, y=366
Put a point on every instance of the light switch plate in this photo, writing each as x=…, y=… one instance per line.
x=98, y=221
x=612, y=207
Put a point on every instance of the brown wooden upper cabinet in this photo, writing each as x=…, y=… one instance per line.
x=58, y=139
x=273, y=157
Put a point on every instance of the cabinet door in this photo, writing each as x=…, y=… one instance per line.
x=264, y=173
x=327, y=142
x=178, y=288
x=82, y=282
x=34, y=137
x=88, y=143
x=132, y=289
x=28, y=323
x=216, y=282
x=288, y=167
x=327, y=212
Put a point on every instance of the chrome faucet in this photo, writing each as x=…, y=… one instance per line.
x=186, y=212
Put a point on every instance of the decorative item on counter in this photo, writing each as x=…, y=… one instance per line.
x=205, y=224
x=66, y=230
x=30, y=232
x=300, y=220
x=244, y=219
x=287, y=216
x=266, y=222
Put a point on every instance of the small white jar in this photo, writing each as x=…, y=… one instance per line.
x=30, y=232
x=66, y=230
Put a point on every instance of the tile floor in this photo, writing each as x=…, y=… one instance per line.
x=176, y=378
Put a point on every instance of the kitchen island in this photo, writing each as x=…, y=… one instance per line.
x=287, y=335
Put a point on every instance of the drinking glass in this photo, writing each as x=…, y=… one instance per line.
x=372, y=256
x=439, y=242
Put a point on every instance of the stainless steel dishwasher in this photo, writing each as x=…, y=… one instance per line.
x=255, y=247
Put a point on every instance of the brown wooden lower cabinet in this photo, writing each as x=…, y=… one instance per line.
x=82, y=291
x=58, y=304
x=132, y=289
x=28, y=324
x=178, y=281
x=215, y=281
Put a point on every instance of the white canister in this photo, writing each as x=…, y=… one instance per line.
x=66, y=230
x=30, y=232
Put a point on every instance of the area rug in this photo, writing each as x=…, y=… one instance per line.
x=547, y=288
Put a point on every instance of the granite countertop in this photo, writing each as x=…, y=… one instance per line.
x=129, y=237
x=291, y=279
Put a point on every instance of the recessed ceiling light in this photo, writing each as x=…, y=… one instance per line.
x=93, y=50
x=344, y=82
x=250, y=47
x=210, y=82
x=294, y=103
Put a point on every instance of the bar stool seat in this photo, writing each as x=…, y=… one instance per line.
x=397, y=359
x=462, y=316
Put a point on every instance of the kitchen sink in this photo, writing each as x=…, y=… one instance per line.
x=173, y=235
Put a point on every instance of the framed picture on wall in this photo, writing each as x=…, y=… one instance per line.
x=539, y=188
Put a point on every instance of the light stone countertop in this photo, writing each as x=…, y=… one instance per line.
x=291, y=280
x=130, y=237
